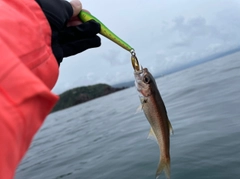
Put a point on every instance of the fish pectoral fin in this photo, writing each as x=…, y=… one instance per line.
x=171, y=132
x=143, y=100
x=139, y=109
x=152, y=135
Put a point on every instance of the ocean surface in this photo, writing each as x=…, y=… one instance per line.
x=106, y=139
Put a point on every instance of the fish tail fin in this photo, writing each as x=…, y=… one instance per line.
x=164, y=165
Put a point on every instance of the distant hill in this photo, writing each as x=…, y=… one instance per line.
x=124, y=84
x=83, y=94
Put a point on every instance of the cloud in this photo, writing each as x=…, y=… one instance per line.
x=193, y=27
x=115, y=57
x=188, y=39
x=191, y=30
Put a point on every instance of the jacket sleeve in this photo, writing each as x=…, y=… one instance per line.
x=28, y=73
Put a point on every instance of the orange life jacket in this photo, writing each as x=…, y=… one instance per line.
x=28, y=72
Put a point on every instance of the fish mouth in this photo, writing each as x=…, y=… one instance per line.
x=140, y=73
x=140, y=85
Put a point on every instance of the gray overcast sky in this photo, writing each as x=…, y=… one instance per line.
x=164, y=34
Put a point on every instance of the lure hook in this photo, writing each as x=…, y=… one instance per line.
x=134, y=60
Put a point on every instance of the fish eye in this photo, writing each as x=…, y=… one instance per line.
x=146, y=79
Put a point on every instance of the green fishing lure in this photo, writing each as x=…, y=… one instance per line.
x=85, y=16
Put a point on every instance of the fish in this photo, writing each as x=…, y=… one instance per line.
x=155, y=111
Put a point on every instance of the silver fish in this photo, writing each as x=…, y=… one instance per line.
x=156, y=113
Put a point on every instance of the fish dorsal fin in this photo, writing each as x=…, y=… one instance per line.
x=152, y=135
x=171, y=132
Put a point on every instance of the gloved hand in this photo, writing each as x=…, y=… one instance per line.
x=68, y=40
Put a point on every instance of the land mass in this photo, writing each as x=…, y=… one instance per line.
x=83, y=94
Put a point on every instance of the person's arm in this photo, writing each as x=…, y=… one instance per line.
x=29, y=70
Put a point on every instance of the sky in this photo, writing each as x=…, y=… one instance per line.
x=164, y=33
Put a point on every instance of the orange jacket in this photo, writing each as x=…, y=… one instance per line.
x=28, y=72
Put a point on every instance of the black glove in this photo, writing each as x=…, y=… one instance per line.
x=67, y=41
